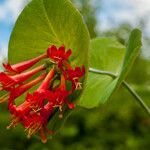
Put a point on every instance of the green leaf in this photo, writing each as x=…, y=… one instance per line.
x=105, y=54
x=100, y=87
x=133, y=47
x=46, y=22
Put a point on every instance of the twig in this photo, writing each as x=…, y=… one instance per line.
x=125, y=84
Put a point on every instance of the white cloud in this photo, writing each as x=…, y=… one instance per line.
x=3, y=51
x=119, y=11
x=142, y=7
x=10, y=9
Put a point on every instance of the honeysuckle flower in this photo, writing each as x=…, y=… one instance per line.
x=16, y=92
x=74, y=75
x=20, y=67
x=41, y=94
x=8, y=81
x=58, y=55
x=60, y=97
x=38, y=122
x=33, y=114
x=32, y=122
x=38, y=96
x=39, y=106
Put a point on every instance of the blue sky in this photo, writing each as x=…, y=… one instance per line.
x=9, y=11
x=113, y=13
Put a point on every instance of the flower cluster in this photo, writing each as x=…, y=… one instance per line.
x=37, y=108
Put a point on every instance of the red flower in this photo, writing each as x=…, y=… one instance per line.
x=33, y=113
x=25, y=111
x=37, y=99
x=16, y=92
x=37, y=108
x=39, y=96
x=60, y=97
x=58, y=55
x=20, y=67
x=74, y=75
x=10, y=81
x=37, y=123
x=33, y=122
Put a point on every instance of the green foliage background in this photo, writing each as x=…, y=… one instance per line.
x=119, y=124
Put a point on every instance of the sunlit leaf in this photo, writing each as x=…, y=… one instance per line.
x=109, y=58
x=132, y=50
x=105, y=54
x=46, y=22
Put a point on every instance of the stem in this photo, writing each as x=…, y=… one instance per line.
x=125, y=84
x=102, y=72
x=137, y=97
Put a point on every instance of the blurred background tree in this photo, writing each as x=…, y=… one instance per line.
x=120, y=124
x=88, y=10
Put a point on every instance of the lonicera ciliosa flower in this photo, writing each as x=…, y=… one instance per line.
x=38, y=106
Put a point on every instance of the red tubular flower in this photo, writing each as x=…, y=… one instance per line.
x=10, y=81
x=31, y=120
x=16, y=92
x=36, y=110
x=58, y=55
x=60, y=97
x=33, y=123
x=38, y=122
x=20, y=67
x=19, y=112
x=74, y=75
x=33, y=113
x=38, y=98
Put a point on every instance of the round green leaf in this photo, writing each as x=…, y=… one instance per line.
x=46, y=22
x=105, y=54
x=49, y=22
x=132, y=50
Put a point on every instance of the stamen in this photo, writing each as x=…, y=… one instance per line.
x=78, y=85
x=32, y=129
x=43, y=136
x=52, y=61
x=60, y=115
x=14, y=123
x=35, y=108
x=61, y=112
x=58, y=57
x=4, y=98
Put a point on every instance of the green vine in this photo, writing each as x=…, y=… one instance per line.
x=126, y=85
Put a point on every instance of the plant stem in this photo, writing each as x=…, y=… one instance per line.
x=126, y=85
